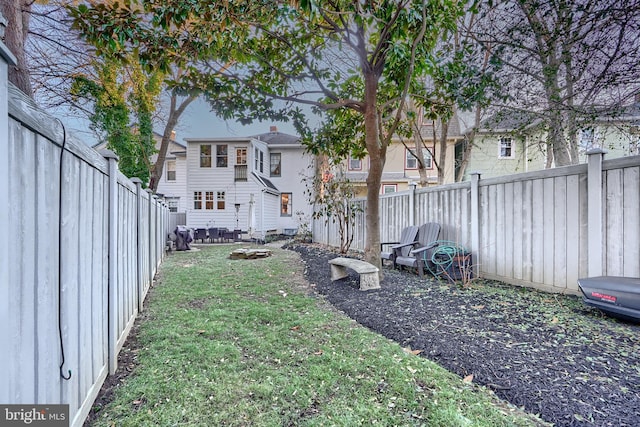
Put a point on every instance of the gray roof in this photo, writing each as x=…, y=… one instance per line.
x=426, y=131
x=265, y=182
x=278, y=138
x=510, y=120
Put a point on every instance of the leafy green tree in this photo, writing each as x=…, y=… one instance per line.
x=331, y=194
x=357, y=59
x=118, y=94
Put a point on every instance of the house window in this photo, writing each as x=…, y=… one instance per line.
x=261, y=162
x=173, y=203
x=241, y=156
x=587, y=137
x=355, y=164
x=634, y=147
x=256, y=158
x=389, y=188
x=197, y=200
x=506, y=148
x=221, y=156
x=285, y=204
x=171, y=170
x=275, y=164
x=205, y=156
x=220, y=197
x=411, y=160
x=208, y=201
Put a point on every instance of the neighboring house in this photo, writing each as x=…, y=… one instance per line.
x=401, y=165
x=173, y=184
x=512, y=142
x=255, y=184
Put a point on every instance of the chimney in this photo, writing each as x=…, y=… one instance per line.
x=273, y=129
x=173, y=135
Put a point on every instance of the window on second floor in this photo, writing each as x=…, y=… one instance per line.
x=275, y=164
x=285, y=204
x=411, y=160
x=587, y=138
x=221, y=155
x=197, y=200
x=506, y=148
x=261, y=168
x=355, y=164
x=205, y=156
x=241, y=156
x=171, y=170
x=634, y=146
x=220, y=196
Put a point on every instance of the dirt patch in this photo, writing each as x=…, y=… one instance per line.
x=127, y=363
x=545, y=353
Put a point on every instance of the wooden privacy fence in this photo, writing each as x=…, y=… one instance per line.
x=541, y=229
x=81, y=246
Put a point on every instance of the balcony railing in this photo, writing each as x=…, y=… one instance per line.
x=240, y=173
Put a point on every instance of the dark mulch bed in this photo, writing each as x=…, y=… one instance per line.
x=546, y=353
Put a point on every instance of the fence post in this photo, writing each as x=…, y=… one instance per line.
x=412, y=202
x=112, y=292
x=140, y=260
x=594, y=211
x=475, y=220
x=6, y=59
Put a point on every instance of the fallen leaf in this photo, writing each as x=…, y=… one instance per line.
x=468, y=379
x=295, y=328
x=477, y=307
x=409, y=351
x=554, y=320
x=318, y=353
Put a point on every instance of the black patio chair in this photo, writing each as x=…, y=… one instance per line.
x=201, y=234
x=213, y=234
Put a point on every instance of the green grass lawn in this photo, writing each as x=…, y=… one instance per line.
x=244, y=343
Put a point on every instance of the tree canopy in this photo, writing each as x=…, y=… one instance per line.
x=359, y=60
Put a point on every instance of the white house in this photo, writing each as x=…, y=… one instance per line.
x=173, y=183
x=255, y=184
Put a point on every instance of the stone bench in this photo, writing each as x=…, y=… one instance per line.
x=368, y=272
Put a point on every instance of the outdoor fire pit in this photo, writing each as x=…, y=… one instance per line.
x=617, y=296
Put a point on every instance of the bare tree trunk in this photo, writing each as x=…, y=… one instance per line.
x=174, y=115
x=471, y=136
x=16, y=13
x=442, y=162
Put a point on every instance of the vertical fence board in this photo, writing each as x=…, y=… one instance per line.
x=614, y=228
x=560, y=232
x=69, y=279
x=85, y=237
x=520, y=209
x=47, y=273
x=631, y=222
x=572, y=247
